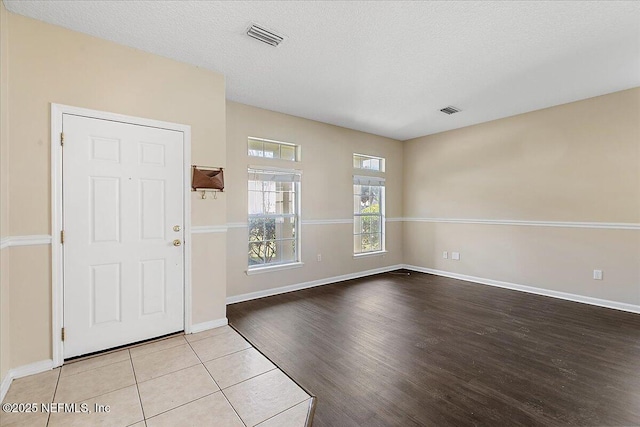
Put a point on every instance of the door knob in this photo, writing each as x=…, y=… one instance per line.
x=177, y=242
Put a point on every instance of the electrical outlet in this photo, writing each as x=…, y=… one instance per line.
x=455, y=256
x=597, y=274
x=445, y=255
x=319, y=257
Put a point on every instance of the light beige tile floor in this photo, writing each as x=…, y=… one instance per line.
x=213, y=378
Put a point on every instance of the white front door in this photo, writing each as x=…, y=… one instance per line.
x=122, y=220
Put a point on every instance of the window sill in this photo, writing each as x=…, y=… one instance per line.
x=368, y=254
x=269, y=268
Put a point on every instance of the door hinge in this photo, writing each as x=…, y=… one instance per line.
x=62, y=334
x=62, y=138
x=62, y=237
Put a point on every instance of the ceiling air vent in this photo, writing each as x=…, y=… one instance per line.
x=264, y=35
x=450, y=110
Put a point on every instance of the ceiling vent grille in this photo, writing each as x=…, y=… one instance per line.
x=264, y=35
x=450, y=110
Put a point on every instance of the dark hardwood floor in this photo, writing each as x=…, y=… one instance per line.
x=398, y=350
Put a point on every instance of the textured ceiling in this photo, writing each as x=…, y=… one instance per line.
x=382, y=67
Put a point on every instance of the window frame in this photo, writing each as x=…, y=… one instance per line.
x=280, y=144
x=296, y=206
x=373, y=181
x=364, y=157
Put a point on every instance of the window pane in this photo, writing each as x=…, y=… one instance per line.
x=284, y=228
x=257, y=253
x=288, y=152
x=255, y=148
x=271, y=150
x=286, y=250
x=376, y=190
x=370, y=242
x=368, y=162
x=255, y=202
x=269, y=202
x=368, y=200
x=256, y=230
x=262, y=252
x=370, y=224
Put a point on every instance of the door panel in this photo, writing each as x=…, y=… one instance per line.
x=122, y=197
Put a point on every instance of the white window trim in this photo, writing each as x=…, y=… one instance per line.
x=297, y=148
x=373, y=253
x=275, y=267
x=380, y=182
x=383, y=162
x=264, y=268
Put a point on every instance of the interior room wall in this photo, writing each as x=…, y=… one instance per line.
x=326, y=196
x=570, y=174
x=563, y=167
x=49, y=64
x=5, y=350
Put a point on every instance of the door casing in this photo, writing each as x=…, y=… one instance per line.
x=57, y=279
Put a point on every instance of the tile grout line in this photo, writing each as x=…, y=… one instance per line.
x=135, y=378
x=179, y=406
x=216, y=383
x=220, y=357
x=212, y=336
x=169, y=373
x=98, y=395
x=309, y=394
x=106, y=392
x=273, y=362
x=116, y=351
x=283, y=411
x=92, y=369
x=54, y=396
x=245, y=380
x=157, y=351
x=108, y=352
x=232, y=407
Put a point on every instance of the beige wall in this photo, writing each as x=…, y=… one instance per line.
x=577, y=162
x=5, y=350
x=327, y=188
x=5, y=313
x=48, y=64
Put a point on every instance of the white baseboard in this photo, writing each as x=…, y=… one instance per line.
x=199, y=327
x=305, y=285
x=530, y=289
x=23, y=371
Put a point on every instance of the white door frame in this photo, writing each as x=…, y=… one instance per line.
x=57, y=281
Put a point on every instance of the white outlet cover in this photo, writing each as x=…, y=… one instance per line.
x=445, y=255
x=597, y=274
x=455, y=255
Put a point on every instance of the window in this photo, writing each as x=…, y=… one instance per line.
x=362, y=161
x=274, y=217
x=273, y=149
x=368, y=214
